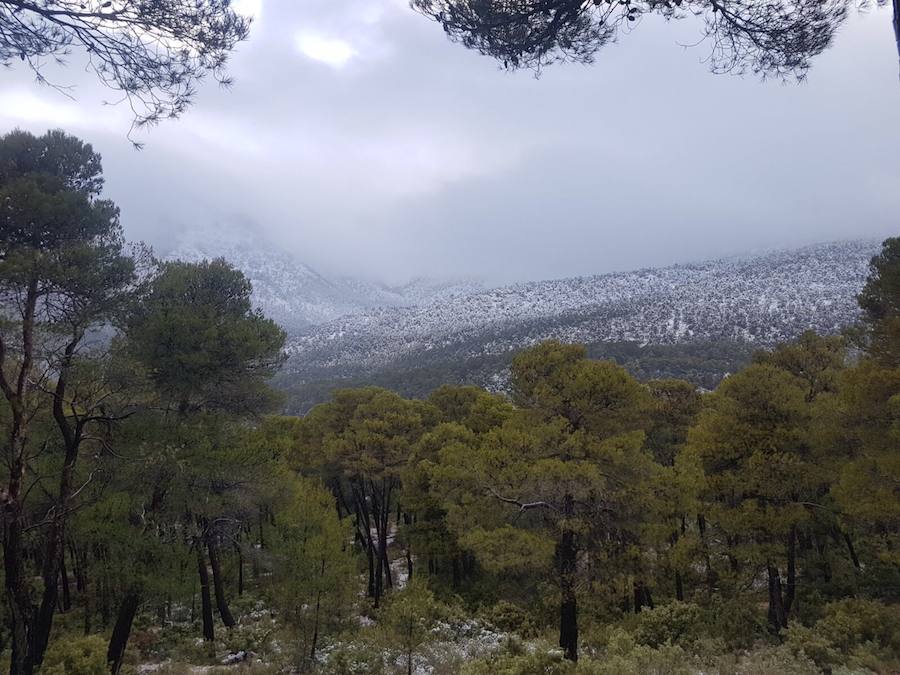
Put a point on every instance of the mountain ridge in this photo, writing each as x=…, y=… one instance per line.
x=411, y=336
x=294, y=294
x=755, y=300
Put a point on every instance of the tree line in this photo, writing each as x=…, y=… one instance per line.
x=146, y=474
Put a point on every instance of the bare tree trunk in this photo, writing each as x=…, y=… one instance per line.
x=567, y=555
x=791, y=587
x=17, y=393
x=221, y=602
x=55, y=544
x=776, y=613
x=205, y=601
x=115, y=652
x=240, y=555
x=315, y=636
x=851, y=550
x=64, y=581
x=18, y=598
x=707, y=559
x=364, y=525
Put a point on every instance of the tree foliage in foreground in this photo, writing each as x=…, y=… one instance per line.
x=152, y=53
x=766, y=37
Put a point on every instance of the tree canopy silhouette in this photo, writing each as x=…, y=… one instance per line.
x=765, y=37
x=152, y=52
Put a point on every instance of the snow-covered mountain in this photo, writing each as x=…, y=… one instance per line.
x=696, y=320
x=760, y=300
x=291, y=292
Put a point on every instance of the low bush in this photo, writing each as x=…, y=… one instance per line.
x=83, y=655
x=854, y=634
x=511, y=618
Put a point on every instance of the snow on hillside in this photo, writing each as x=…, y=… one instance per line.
x=761, y=300
x=291, y=292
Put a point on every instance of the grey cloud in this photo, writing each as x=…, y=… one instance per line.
x=419, y=157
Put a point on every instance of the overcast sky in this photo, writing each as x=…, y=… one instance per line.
x=357, y=136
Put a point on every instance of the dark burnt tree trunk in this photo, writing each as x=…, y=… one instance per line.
x=77, y=567
x=315, y=635
x=364, y=532
x=566, y=560
x=851, y=550
x=17, y=595
x=642, y=597
x=17, y=392
x=64, y=581
x=707, y=559
x=115, y=652
x=218, y=584
x=791, y=586
x=240, y=557
x=205, y=600
x=381, y=507
x=776, y=614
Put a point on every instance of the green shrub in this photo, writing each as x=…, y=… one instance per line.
x=851, y=633
x=545, y=662
x=735, y=621
x=354, y=659
x=850, y=623
x=83, y=655
x=510, y=618
x=677, y=623
x=770, y=660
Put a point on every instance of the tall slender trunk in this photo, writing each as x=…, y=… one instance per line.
x=17, y=393
x=240, y=556
x=707, y=559
x=17, y=595
x=315, y=636
x=364, y=526
x=370, y=563
x=78, y=565
x=381, y=499
x=64, y=581
x=386, y=563
x=56, y=531
x=205, y=601
x=776, y=613
x=851, y=550
x=379, y=572
x=642, y=597
x=566, y=556
x=262, y=540
x=115, y=652
x=218, y=586
x=791, y=586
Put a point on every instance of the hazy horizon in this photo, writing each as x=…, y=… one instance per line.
x=234, y=237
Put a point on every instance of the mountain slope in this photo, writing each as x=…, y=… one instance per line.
x=755, y=300
x=291, y=292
